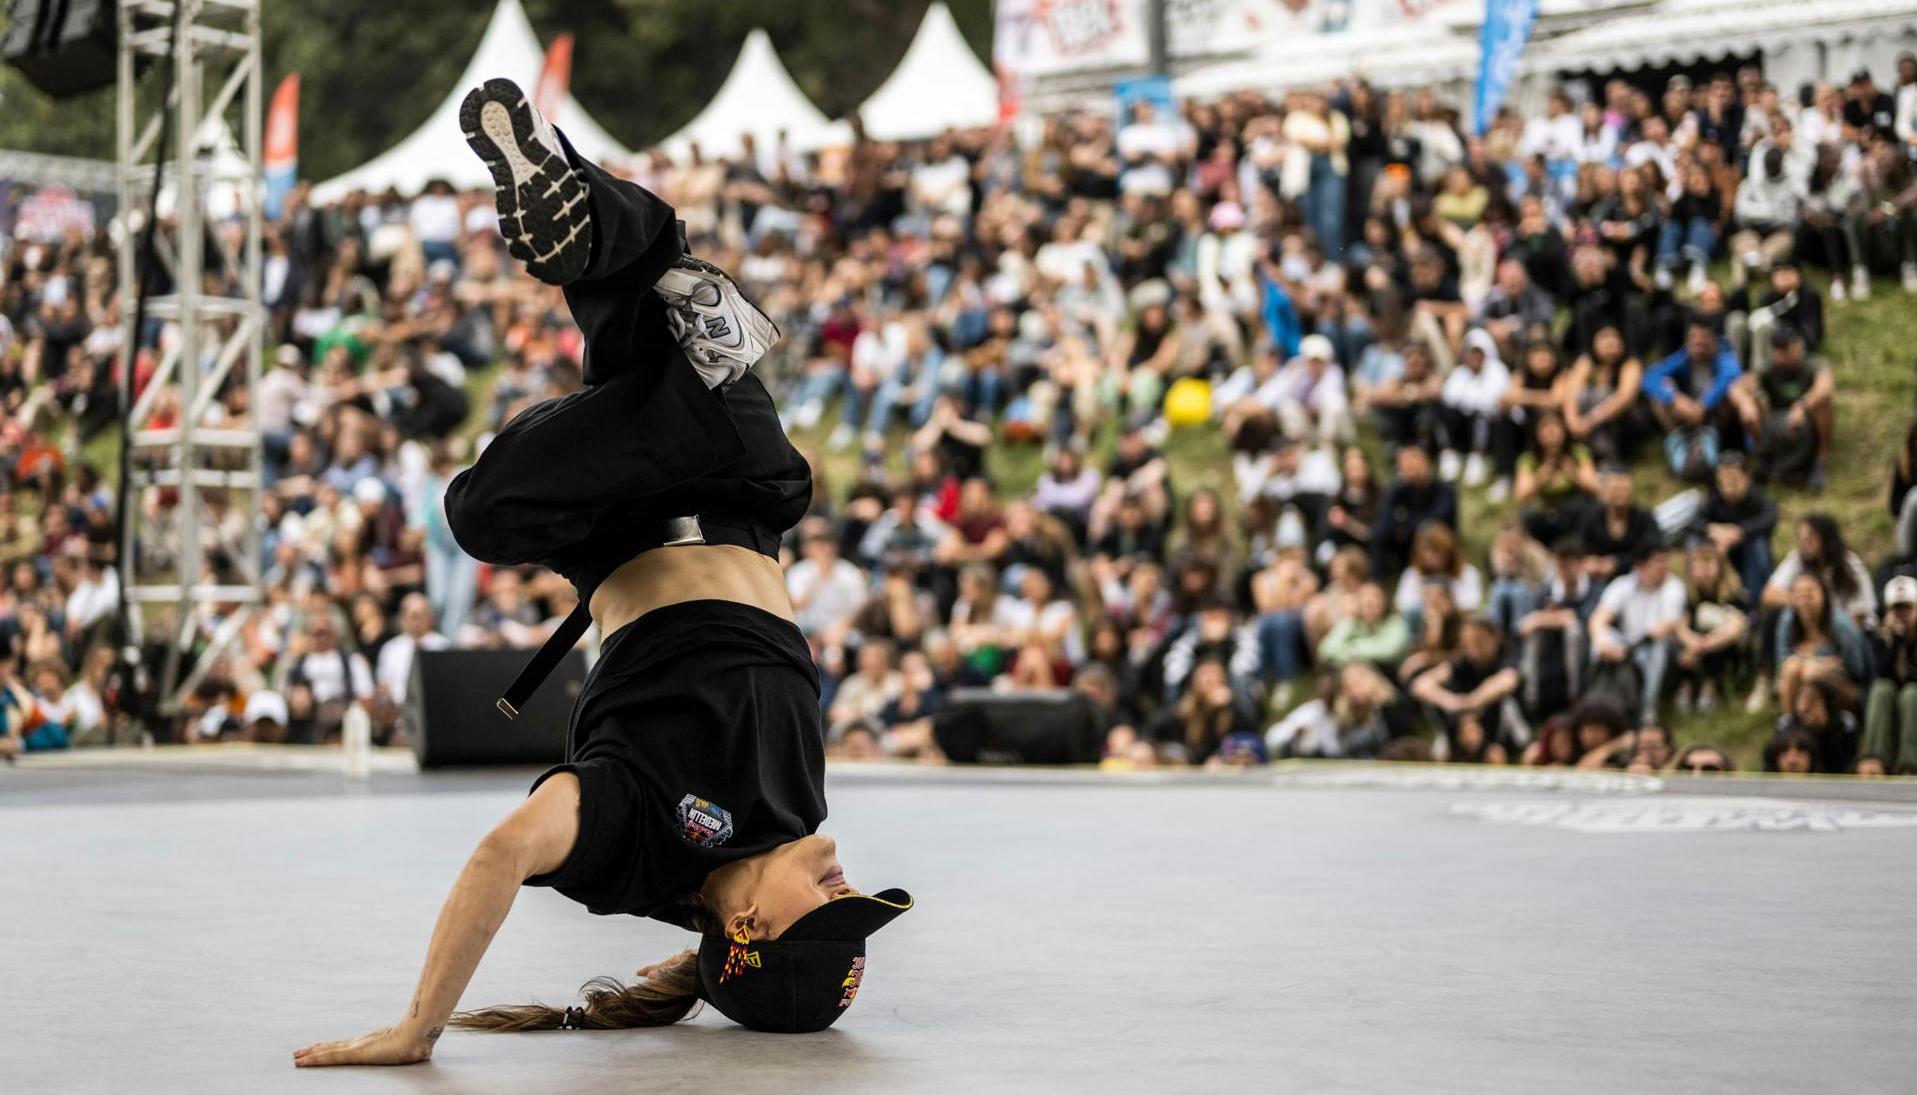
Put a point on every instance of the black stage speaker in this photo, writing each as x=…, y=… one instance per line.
x=63, y=47
x=979, y=726
x=452, y=718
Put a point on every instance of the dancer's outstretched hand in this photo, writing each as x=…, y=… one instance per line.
x=390, y=1046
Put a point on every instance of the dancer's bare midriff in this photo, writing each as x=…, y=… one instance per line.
x=701, y=572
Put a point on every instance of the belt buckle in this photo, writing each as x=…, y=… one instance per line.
x=682, y=531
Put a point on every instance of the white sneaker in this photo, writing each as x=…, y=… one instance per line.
x=1500, y=491
x=1662, y=279
x=1838, y=294
x=1910, y=277
x=1698, y=279
x=1860, y=283
x=1760, y=696
x=841, y=438
x=1448, y=465
x=543, y=212
x=1475, y=470
x=1686, y=704
x=719, y=329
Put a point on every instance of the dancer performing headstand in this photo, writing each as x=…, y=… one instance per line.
x=693, y=784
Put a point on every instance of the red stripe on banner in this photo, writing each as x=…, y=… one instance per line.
x=283, y=124
x=555, y=78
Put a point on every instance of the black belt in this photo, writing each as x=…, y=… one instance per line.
x=668, y=532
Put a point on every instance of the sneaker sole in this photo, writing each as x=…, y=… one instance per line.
x=541, y=198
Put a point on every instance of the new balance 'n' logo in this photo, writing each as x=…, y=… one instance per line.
x=717, y=327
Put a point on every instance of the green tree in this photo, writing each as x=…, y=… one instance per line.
x=372, y=70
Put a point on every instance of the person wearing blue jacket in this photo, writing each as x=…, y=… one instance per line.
x=1689, y=393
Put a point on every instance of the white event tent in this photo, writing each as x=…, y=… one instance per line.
x=940, y=84
x=758, y=97
x=437, y=149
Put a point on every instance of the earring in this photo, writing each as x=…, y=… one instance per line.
x=739, y=956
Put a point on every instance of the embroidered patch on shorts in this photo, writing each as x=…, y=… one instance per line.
x=704, y=823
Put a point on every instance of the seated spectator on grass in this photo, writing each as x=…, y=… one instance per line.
x=1413, y=499
x=1817, y=710
x=1788, y=410
x=1473, y=396
x=865, y=693
x=1518, y=567
x=1536, y=388
x=1764, y=216
x=1737, y=517
x=1890, y=710
x=1371, y=634
x=1557, y=481
x=1352, y=511
x=1436, y=558
x=1346, y=718
x=1213, y=632
x=1711, y=634
x=1475, y=683
x=1688, y=392
x=1406, y=407
x=1817, y=643
x=1551, y=642
x=1821, y=553
x=1193, y=727
x=321, y=680
x=825, y=588
x=1603, y=400
x=1345, y=578
x=1617, y=531
x=1632, y=628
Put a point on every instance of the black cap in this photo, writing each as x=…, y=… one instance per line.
x=803, y=980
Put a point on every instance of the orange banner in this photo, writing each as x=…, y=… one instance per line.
x=555, y=78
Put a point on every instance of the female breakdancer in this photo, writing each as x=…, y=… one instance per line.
x=693, y=783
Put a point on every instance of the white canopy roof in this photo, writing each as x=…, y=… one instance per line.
x=1687, y=31
x=759, y=98
x=1387, y=56
x=437, y=149
x=940, y=84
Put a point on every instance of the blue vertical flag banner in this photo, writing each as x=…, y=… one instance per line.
x=1507, y=27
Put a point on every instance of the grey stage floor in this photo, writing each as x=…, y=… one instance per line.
x=1335, y=929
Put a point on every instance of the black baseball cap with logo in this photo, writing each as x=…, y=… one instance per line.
x=803, y=980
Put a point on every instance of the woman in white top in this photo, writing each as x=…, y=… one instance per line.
x=1436, y=557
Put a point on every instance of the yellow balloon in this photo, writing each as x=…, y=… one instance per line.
x=1188, y=403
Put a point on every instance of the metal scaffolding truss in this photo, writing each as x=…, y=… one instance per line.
x=188, y=466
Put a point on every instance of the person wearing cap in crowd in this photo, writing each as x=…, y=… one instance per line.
x=1789, y=410
x=693, y=786
x=1308, y=395
x=1890, y=707
x=265, y=717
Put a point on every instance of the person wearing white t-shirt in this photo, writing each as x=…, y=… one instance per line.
x=825, y=588
x=395, y=669
x=1634, y=620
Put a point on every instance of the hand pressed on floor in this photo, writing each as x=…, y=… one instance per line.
x=380, y=1047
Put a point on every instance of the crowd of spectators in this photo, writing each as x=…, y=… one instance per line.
x=1374, y=309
